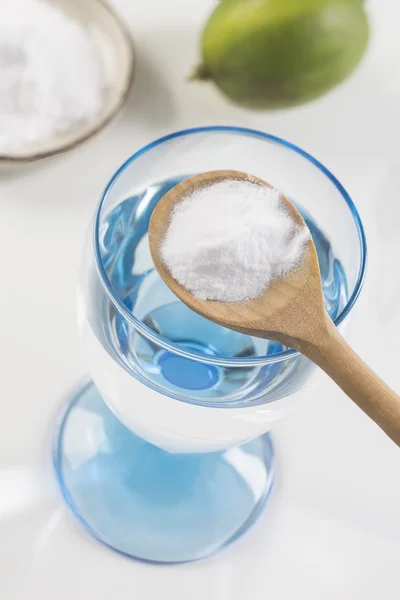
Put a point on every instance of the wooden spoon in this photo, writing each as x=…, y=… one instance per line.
x=291, y=311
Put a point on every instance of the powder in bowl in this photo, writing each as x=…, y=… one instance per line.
x=229, y=240
x=51, y=75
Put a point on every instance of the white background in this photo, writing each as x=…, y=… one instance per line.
x=332, y=528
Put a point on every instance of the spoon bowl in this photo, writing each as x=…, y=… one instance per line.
x=265, y=316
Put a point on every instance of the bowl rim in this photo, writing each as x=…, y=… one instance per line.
x=171, y=346
x=97, y=125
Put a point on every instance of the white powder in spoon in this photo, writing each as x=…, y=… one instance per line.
x=228, y=241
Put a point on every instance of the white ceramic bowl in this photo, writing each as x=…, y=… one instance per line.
x=115, y=46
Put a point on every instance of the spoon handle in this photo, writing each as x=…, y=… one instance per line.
x=334, y=356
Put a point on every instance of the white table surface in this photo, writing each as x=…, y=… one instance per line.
x=332, y=528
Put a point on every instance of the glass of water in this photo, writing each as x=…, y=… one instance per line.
x=164, y=455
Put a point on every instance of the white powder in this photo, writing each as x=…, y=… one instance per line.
x=229, y=240
x=50, y=74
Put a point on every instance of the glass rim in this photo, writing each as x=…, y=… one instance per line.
x=175, y=348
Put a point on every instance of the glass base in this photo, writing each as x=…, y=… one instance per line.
x=147, y=503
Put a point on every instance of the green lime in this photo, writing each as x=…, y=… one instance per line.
x=279, y=53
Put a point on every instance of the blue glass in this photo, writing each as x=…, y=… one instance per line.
x=166, y=458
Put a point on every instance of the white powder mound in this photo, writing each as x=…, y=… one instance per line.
x=51, y=77
x=230, y=240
